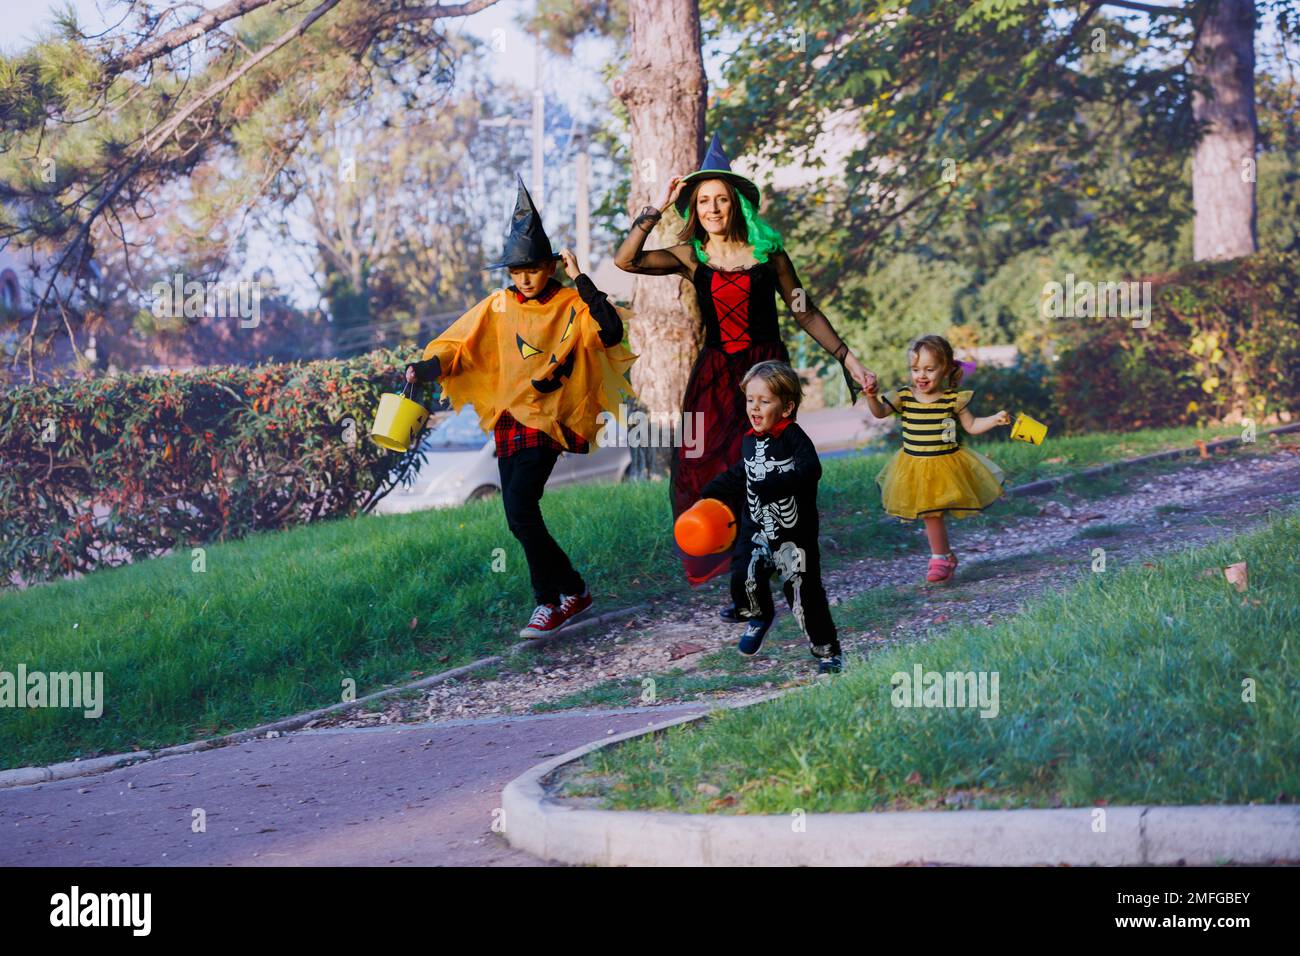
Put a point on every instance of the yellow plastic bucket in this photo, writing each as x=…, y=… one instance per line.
x=398, y=422
x=1028, y=429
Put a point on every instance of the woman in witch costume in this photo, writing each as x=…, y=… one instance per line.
x=737, y=264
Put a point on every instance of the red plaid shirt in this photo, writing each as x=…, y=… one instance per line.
x=511, y=436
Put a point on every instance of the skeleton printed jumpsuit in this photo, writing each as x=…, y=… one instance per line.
x=777, y=477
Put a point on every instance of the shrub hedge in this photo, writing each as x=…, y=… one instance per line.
x=179, y=459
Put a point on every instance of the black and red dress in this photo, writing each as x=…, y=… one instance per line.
x=741, y=329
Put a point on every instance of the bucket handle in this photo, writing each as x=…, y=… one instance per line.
x=409, y=391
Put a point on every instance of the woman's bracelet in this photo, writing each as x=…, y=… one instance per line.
x=649, y=214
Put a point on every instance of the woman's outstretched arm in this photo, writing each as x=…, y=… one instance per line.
x=812, y=321
x=806, y=314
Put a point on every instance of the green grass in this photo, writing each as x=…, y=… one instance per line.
x=279, y=620
x=1126, y=689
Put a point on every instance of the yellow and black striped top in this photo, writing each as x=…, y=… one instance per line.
x=929, y=428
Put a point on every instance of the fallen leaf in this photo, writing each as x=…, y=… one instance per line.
x=1201, y=446
x=1236, y=575
x=684, y=649
x=941, y=618
x=914, y=778
x=1210, y=573
x=414, y=621
x=1054, y=461
x=728, y=801
x=707, y=789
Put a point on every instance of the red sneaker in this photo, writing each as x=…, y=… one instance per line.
x=941, y=569
x=571, y=605
x=546, y=618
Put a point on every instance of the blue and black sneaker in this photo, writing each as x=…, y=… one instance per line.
x=830, y=665
x=731, y=615
x=752, y=639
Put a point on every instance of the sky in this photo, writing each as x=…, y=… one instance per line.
x=576, y=85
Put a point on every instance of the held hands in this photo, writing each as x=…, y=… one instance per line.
x=860, y=374
x=570, y=263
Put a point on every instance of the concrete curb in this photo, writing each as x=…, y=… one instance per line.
x=26, y=776
x=1134, y=836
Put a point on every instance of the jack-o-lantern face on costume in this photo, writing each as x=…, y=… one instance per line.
x=559, y=370
x=540, y=359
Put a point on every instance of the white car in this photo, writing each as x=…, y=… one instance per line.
x=459, y=464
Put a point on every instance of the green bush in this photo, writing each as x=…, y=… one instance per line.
x=181, y=459
x=1223, y=344
x=1025, y=387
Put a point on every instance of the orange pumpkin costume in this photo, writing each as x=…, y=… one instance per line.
x=541, y=360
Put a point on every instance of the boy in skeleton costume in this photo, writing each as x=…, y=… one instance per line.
x=778, y=474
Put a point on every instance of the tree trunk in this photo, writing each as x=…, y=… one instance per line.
x=1223, y=167
x=664, y=89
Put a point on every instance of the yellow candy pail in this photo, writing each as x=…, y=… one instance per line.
x=1028, y=429
x=398, y=422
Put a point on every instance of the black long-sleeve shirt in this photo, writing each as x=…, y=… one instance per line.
x=777, y=478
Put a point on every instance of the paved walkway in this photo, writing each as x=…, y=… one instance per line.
x=411, y=794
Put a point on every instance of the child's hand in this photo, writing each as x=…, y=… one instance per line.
x=873, y=385
x=570, y=263
x=1002, y=418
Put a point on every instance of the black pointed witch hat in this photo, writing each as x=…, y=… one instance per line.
x=527, y=241
x=716, y=165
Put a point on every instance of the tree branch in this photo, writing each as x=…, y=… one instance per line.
x=174, y=39
x=157, y=138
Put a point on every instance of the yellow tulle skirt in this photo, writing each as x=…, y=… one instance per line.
x=960, y=484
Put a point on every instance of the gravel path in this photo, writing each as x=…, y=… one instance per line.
x=1003, y=564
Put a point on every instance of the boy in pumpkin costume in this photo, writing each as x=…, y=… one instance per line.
x=538, y=361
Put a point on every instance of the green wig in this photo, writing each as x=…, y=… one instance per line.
x=762, y=237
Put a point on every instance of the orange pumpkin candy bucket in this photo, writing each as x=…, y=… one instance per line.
x=706, y=527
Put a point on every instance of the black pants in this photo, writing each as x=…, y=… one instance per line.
x=523, y=480
x=810, y=603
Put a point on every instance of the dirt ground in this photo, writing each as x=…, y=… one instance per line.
x=679, y=650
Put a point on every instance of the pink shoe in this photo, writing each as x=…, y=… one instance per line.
x=941, y=569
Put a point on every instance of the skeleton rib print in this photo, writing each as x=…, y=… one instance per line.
x=777, y=514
